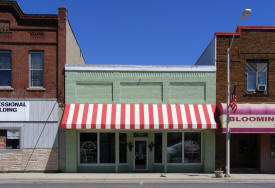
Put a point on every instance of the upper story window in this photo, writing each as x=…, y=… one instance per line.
x=5, y=69
x=36, y=73
x=257, y=75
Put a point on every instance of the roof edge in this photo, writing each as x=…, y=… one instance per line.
x=140, y=68
x=17, y=9
x=240, y=28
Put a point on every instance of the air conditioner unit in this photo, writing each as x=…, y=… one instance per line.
x=261, y=87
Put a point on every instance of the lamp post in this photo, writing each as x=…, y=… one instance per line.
x=246, y=13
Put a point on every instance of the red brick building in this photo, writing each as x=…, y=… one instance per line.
x=34, y=49
x=252, y=69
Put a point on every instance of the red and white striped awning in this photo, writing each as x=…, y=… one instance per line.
x=139, y=116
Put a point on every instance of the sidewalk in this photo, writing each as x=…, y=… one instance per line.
x=132, y=177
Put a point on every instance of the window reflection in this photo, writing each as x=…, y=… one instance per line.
x=174, y=147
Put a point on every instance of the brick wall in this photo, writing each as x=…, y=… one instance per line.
x=29, y=160
x=251, y=44
x=21, y=33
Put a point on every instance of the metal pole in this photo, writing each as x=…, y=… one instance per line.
x=227, y=174
x=227, y=116
x=244, y=15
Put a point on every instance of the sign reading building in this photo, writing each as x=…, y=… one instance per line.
x=14, y=110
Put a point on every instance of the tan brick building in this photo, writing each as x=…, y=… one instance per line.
x=252, y=68
x=34, y=49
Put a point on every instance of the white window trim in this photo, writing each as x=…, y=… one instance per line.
x=250, y=90
x=30, y=79
x=265, y=79
x=7, y=51
x=98, y=150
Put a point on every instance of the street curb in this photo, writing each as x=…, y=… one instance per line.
x=136, y=180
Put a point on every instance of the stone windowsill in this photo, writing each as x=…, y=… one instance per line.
x=256, y=94
x=6, y=89
x=36, y=89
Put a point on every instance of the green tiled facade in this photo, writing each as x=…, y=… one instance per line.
x=140, y=87
x=136, y=87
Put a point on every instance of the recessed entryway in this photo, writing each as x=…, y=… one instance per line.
x=140, y=155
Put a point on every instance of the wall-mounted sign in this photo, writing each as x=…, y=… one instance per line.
x=249, y=121
x=14, y=110
x=252, y=118
x=13, y=134
x=2, y=142
x=140, y=134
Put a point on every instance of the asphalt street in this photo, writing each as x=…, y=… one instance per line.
x=136, y=185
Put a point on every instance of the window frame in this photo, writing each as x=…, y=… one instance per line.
x=182, y=160
x=126, y=163
x=257, y=72
x=182, y=152
x=30, y=69
x=200, y=148
x=98, y=149
x=10, y=52
x=162, y=153
x=20, y=138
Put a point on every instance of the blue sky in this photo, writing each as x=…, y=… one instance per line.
x=151, y=32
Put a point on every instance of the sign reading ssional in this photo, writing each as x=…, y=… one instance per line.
x=14, y=110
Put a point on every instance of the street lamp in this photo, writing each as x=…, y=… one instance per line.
x=246, y=13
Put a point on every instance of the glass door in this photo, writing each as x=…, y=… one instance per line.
x=140, y=155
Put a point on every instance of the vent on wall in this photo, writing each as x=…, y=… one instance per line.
x=36, y=35
x=4, y=26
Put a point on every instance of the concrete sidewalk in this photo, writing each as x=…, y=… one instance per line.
x=132, y=177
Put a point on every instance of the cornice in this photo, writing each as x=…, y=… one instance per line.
x=28, y=19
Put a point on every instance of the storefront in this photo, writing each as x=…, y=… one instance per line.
x=252, y=130
x=140, y=137
x=28, y=135
x=130, y=119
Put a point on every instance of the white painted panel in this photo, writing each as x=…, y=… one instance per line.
x=43, y=110
x=39, y=135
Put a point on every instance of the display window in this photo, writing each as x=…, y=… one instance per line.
x=184, y=147
x=174, y=147
x=97, y=148
x=9, y=139
x=122, y=148
x=158, y=148
x=192, y=147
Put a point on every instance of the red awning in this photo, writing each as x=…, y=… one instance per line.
x=139, y=116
